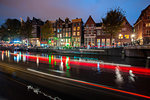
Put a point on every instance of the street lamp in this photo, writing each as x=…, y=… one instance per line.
x=132, y=37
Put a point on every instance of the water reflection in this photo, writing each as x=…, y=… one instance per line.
x=2, y=55
x=119, y=79
x=131, y=76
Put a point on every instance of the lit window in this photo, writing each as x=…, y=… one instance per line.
x=74, y=33
x=78, y=28
x=127, y=36
x=78, y=33
x=147, y=24
x=120, y=36
x=124, y=29
x=69, y=34
x=66, y=34
x=58, y=30
x=60, y=35
x=74, y=28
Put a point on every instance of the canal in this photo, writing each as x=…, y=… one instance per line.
x=127, y=74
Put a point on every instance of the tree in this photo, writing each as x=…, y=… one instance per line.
x=112, y=23
x=11, y=28
x=47, y=30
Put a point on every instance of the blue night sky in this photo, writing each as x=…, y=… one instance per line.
x=53, y=9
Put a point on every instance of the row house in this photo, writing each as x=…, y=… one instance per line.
x=102, y=38
x=125, y=35
x=90, y=32
x=36, y=31
x=63, y=30
x=142, y=27
x=77, y=32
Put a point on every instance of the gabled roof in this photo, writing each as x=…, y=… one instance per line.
x=142, y=12
x=127, y=21
x=90, y=20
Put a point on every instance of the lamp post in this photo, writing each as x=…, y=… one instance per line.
x=132, y=37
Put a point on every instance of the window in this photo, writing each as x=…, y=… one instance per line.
x=63, y=34
x=69, y=34
x=66, y=34
x=98, y=32
x=78, y=28
x=148, y=17
x=120, y=36
x=87, y=25
x=74, y=24
x=124, y=29
x=92, y=25
x=78, y=33
x=74, y=28
x=78, y=39
x=60, y=35
x=147, y=24
x=74, y=33
x=87, y=31
x=58, y=30
x=148, y=32
x=127, y=36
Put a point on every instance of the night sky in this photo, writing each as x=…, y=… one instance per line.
x=53, y=9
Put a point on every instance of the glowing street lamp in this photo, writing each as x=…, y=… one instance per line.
x=132, y=37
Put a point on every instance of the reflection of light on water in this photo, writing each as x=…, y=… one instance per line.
x=24, y=58
x=131, y=77
x=61, y=67
x=18, y=58
x=119, y=78
x=8, y=54
x=37, y=61
x=2, y=55
x=98, y=68
x=38, y=91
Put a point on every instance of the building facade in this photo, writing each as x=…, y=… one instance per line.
x=58, y=27
x=125, y=35
x=102, y=38
x=142, y=27
x=36, y=31
x=77, y=32
x=67, y=30
x=90, y=32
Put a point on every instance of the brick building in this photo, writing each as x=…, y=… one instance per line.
x=58, y=27
x=90, y=32
x=102, y=38
x=67, y=30
x=77, y=32
x=142, y=27
x=125, y=35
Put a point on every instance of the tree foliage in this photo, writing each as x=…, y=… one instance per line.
x=112, y=23
x=11, y=28
x=47, y=30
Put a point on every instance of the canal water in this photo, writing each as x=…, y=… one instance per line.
x=128, y=74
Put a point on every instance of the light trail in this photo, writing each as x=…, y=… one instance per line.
x=123, y=68
x=91, y=84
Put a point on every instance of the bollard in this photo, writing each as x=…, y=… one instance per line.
x=147, y=62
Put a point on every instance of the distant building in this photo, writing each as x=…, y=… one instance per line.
x=66, y=32
x=102, y=38
x=77, y=32
x=36, y=31
x=58, y=31
x=142, y=27
x=90, y=32
x=125, y=35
